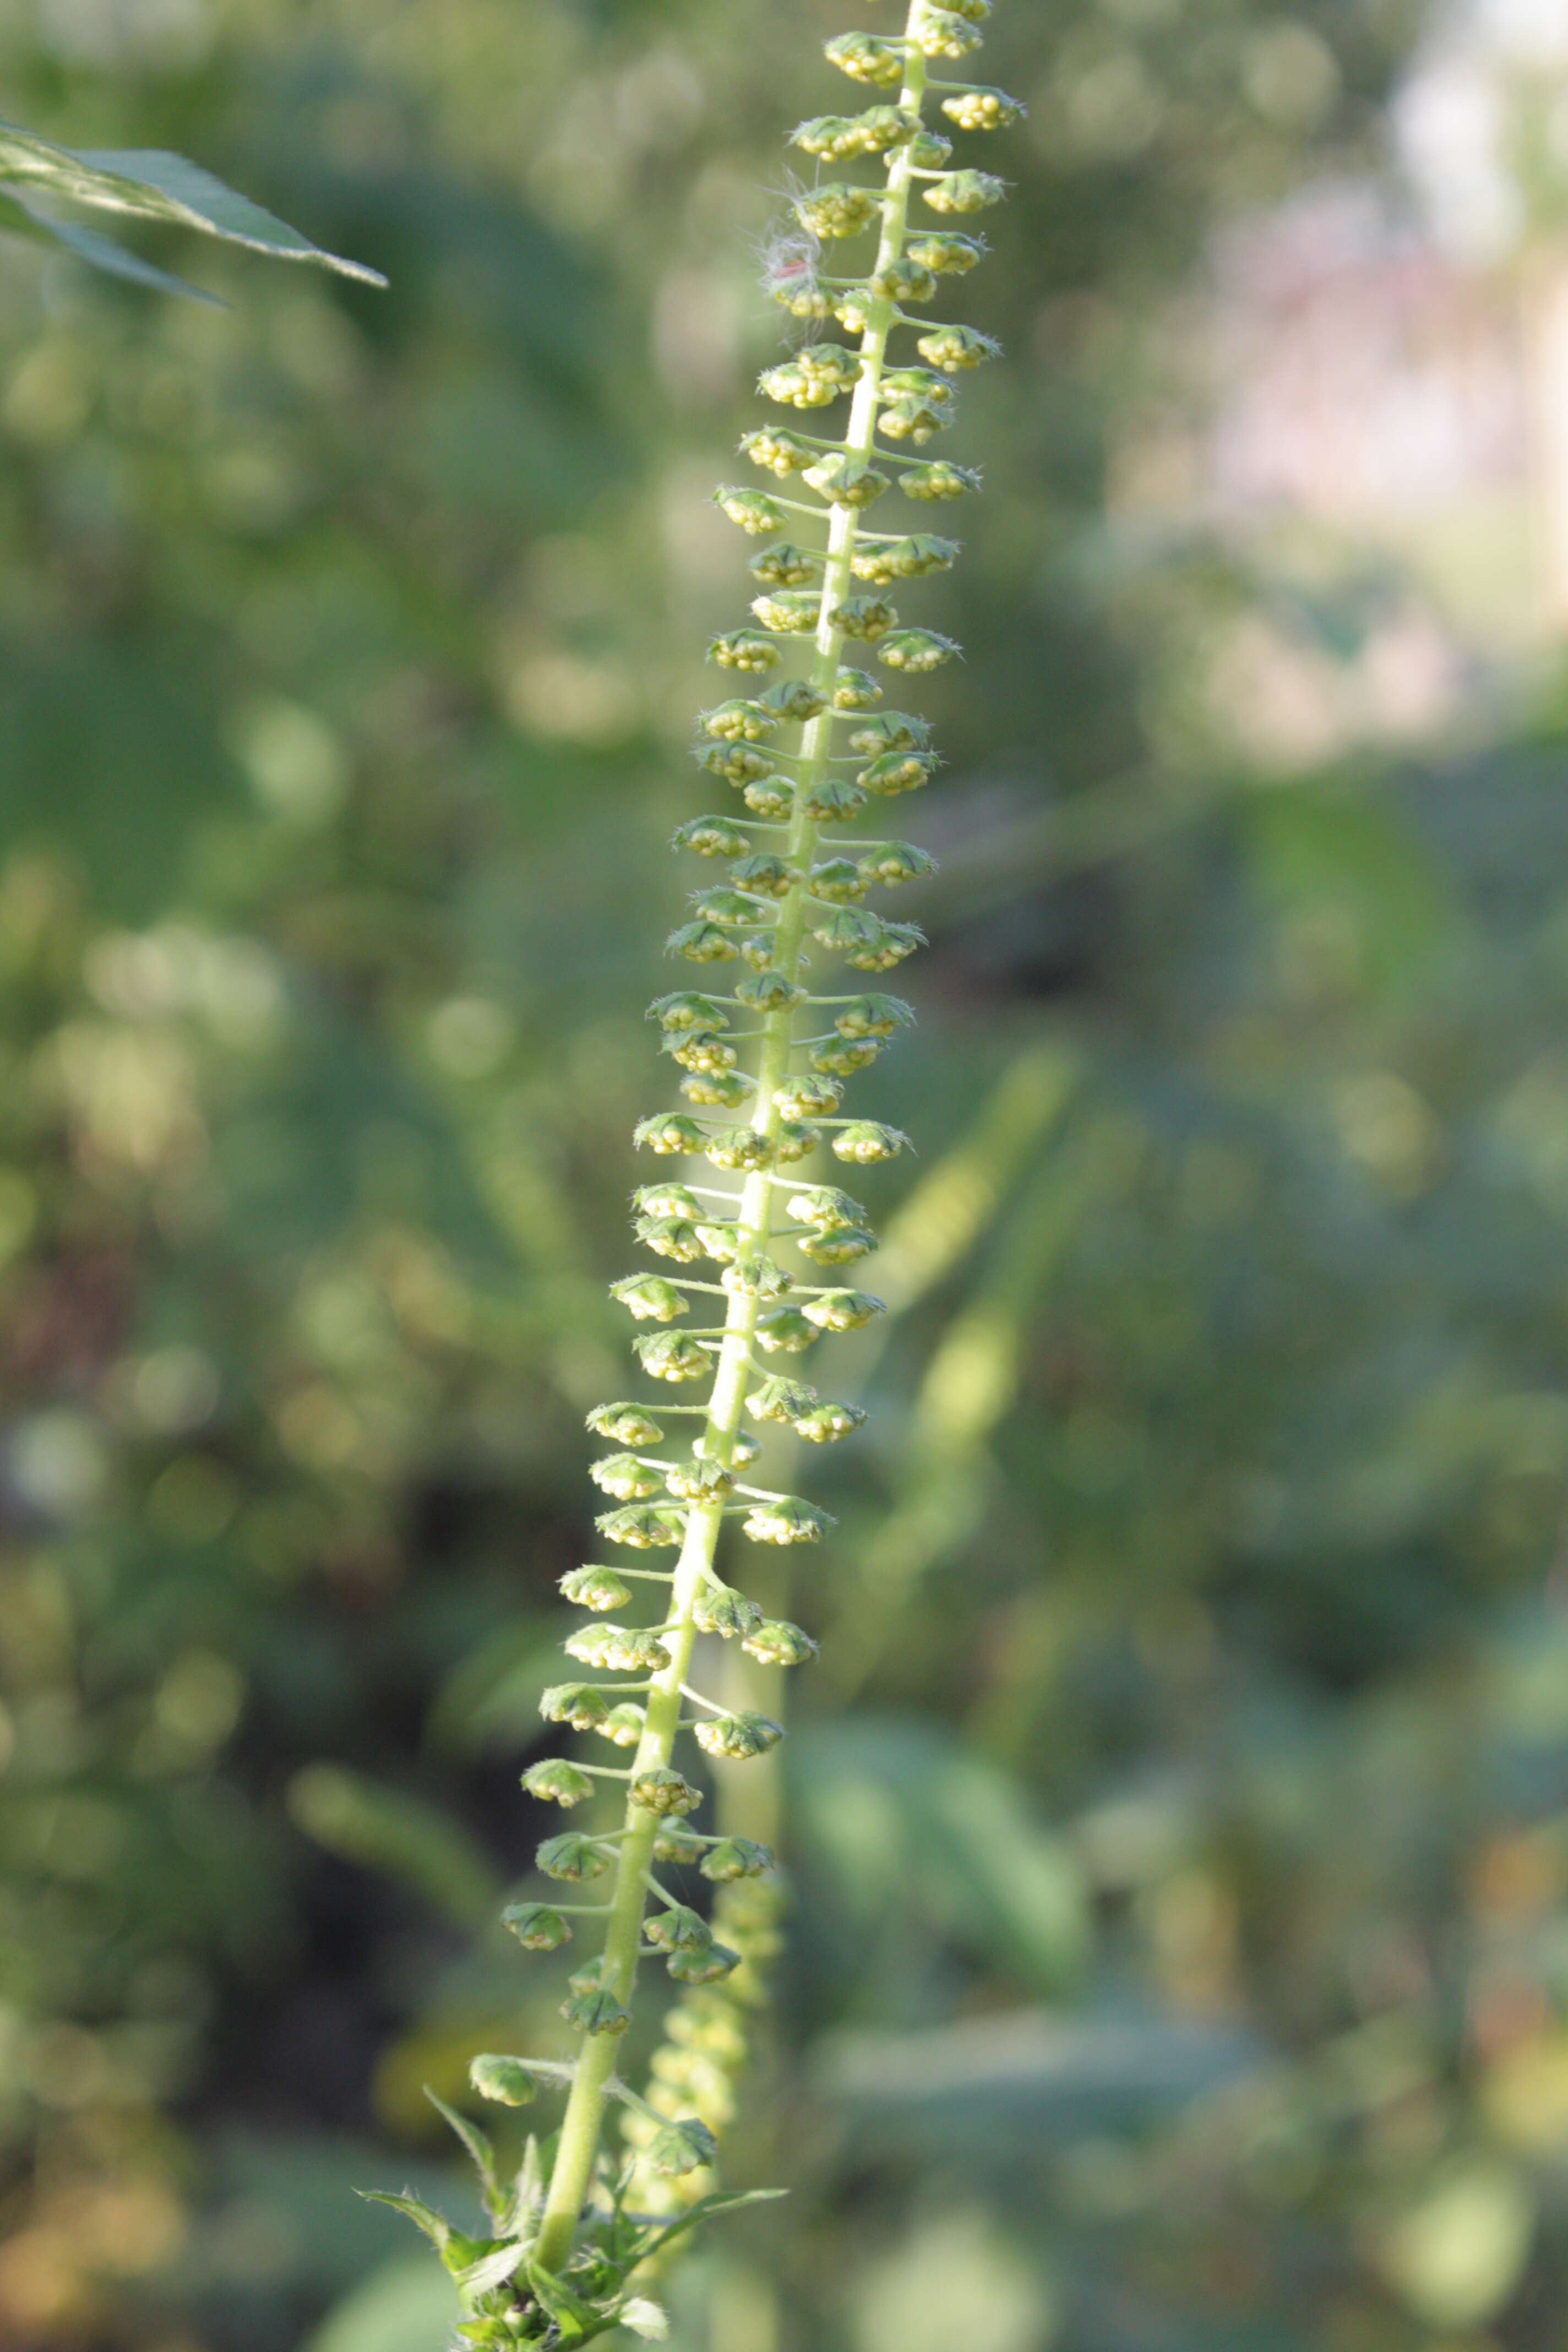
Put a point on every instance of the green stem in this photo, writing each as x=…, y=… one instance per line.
x=583, y=2119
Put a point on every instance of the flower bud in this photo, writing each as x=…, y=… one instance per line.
x=624, y=1725
x=793, y=612
x=740, y=1736
x=644, y=1527
x=588, y=1977
x=720, y=1241
x=701, y=1049
x=795, y=700
x=866, y=1141
x=557, y=1782
x=905, y=280
x=793, y=387
x=759, y=1278
x=670, y=1356
x=738, y=722
x=866, y=58
x=834, y=136
x=699, y=1482
x=807, y=1096
x=681, y=2148
x=686, y=1010
x=743, y=649
x=955, y=349
x=964, y=192
x=595, y=1588
x=771, y=796
x=829, y=363
x=833, y=799
x=739, y=1148
x=668, y=1132
x=828, y=1422
x=784, y=565
x=703, y=1967
x=677, y=1930
x=624, y=1424
x=726, y=906
x=776, y=1642
x=736, y=763
x=864, y=617
x=797, y=291
x=797, y=1139
x=596, y=2011
x=718, y=1609
x=930, y=151
x=913, y=418
x=893, y=862
x=783, y=1401
x=783, y=453
x=907, y=559
x=505, y=2081
x=661, y=1791
x=844, y=930
x=839, y=882
x=983, y=109
x=938, y=480
x=701, y=942
x=854, y=690
x=671, y=1237
x=790, y=1521
x=623, y=1476
x=897, y=771
x=844, y=479
x=537, y=1927
x=944, y=33
x=571, y=1856
x=842, y=1056
x=752, y=510
x=618, y=1649
x=947, y=251
x=766, y=876
x=917, y=650
x=650, y=1298
x=827, y=1208
x=874, y=1016
x=923, y=383
x=676, y=1843
x=743, y=1449
x=708, y=837
x=838, y=209
x=720, y=1089
x=840, y=1248
x=739, y=1857
x=787, y=1332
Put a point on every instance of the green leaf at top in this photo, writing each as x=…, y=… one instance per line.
x=151, y=185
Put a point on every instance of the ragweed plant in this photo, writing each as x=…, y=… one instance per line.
x=569, y=2231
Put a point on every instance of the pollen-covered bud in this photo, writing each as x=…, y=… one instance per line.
x=792, y=387
x=538, y=1928
x=681, y=2148
x=650, y=1298
x=833, y=799
x=766, y=876
x=505, y=2081
x=845, y=481
x=828, y=1422
x=667, y=1199
x=671, y=1237
x=842, y=1056
x=917, y=558
x=699, y=1482
x=677, y=1845
x=701, y=1049
x=686, y=1010
x=738, y=764
x=917, y=650
x=866, y=1142
x=703, y=1967
x=905, y=279
x=834, y=136
x=782, y=1400
x=843, y=1311
x=955, y=349
x=938, y=480
x=897, y=771
x=738, y=1857
x=827, y=1208
x=776, y=1642
x=943, y=33
x=797, y=699
x=738, y=722
x=624, y=1725
x=790, y=1520
x=793, y=612
x=965, y=192
x=856, y=689
x=581, y=1705
x=595, y=2012
x=893, y=862
x=913, y=417
x=727, y=906
x=624, y=1424
x=783, y=453
x=807, y=1096
x=829, y=363
x=702, y=943
x=770, y=796
x=784, y=565
x=720, y=1241
x=864, y=617
x=838, y=209
x=785, y=1333
x=752, y=510
x=874, y=1016
x=618, y=1649
x=797, y=1139
x=644, y=1527
x=719, y=1089
x=983, y=109
x=595, y=1588
x=623, y=1476
x=739, y=1148
x=866, y=58
x=758, y=1278
x=839, y=882
x=660, y=1790
x=739, y=1736
x=668, y=1133
x=557, y=1782
x=718, y=1609
x=947, y=251
x=743, y=649
x=931, y=151
x=571, y=1856
x=710, y=837
x=841, y=1247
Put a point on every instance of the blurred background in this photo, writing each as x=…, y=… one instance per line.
x=1178, y=1815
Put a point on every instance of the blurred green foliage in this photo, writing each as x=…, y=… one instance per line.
x=1179, y=1827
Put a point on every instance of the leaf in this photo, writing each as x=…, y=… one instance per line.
x=721, y=2201
x=479, y=2149
x=492, y=2270
x=151, y=185
x=436, y=2226
x=645, y=2319
x=21, y=216
x=565, y=2307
